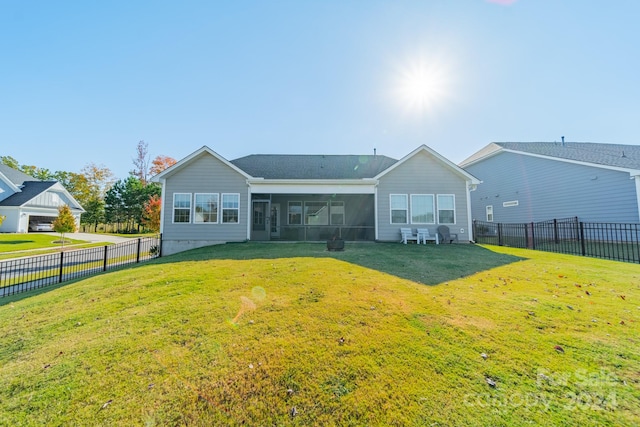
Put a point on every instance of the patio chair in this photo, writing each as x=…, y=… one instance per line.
x=445, y=235
x=406, y=234
x=424, y=235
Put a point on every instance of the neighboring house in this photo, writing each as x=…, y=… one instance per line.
x=539, y=181
x=208, y=199
x=30, y=204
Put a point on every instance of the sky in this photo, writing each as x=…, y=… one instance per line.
x=83, y=82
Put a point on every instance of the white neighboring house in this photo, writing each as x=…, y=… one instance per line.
x=30, y=204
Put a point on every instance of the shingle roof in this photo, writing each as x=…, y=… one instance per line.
x=15, y=176
x=275, y=166
x=30, y=190
x=619, y=155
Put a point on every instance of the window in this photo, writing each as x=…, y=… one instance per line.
x=399, y=208
x=230, y=208
x=182, y=207
x=446, y=209
x=337, y=213
x=206, y=208
x=489, y=209
x=316, y=213
x=295, y=213
x=422, y=210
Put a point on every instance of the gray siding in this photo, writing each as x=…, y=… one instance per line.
x=422, y=174
x=547, y=189
x=204, y=174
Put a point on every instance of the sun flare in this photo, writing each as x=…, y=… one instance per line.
x=421, y=86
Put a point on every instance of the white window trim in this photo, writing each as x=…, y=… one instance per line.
x=433, y=208
x=454, y=209
x=173, y=210
x=406, y=208
x=222, y=208
x=218, y=216
x=344, y=212
x=301, y=212
x=489, y=211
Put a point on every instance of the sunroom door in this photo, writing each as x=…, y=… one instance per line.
x=260, y=220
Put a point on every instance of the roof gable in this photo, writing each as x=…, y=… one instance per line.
x=30, y=190
x=423, y=148
x=275, y=166
x=605, y=155
x=187, y=160
x=13, y=177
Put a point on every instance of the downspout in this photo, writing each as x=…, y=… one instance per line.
x=249, y=219
x=637, y=177
x=163, y=182
x=470, y=187
x=375, y=210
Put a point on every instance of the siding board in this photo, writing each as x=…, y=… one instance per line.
x=421, y=174
x=205, y=174
x=547, y=189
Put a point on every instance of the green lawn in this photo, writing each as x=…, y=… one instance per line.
x=290, y=334
x=12, y=245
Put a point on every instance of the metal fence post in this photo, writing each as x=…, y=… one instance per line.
x=138, y=251
x=582, y=245
x=104, y=264
x=533, y=236
x=61, y=265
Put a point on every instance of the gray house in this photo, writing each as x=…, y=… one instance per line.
x=208, y=199
x=30, y=204
x=539, y=181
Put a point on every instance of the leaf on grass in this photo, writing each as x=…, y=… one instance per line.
x=558, y=349
x=491, y=382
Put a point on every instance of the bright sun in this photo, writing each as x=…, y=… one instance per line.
x=421, y=86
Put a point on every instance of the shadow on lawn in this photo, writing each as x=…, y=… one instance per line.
x=428, y=264
x=15, y=242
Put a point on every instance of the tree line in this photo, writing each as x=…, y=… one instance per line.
x=127, y=205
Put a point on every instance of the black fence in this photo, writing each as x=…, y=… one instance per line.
x=24, y=274
x=615, y=241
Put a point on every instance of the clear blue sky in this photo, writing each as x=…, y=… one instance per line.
x=84, y=81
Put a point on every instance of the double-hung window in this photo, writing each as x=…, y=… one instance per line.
x=446, y=209
x=295, y=213
x=206, y=208
x=489, y=209
x=337, y=213
x=399, y=208
x=182, y=207
x=230, y=208
x=422, y=209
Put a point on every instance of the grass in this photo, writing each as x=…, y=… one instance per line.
x=20, y=245
x=289, y=334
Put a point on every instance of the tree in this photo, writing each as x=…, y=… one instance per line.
x=151, y=213
x=10, y=161
x=99, y=178
x=94, y=213
x=65, y=222
x=161, y=163
x=141, y=162
x=114, y=207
